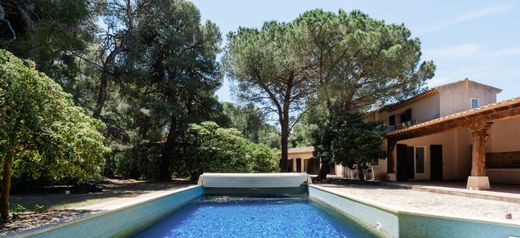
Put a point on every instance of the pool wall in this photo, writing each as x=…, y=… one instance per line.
x=406, y=224
x=125, y=221
x=386, y=220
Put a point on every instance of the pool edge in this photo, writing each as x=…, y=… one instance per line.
x=128, y=224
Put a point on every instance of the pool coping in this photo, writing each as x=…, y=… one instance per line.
x=353, y=218
x=403, y=212
x=48, y=228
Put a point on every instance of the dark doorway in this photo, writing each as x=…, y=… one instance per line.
x=290, y=165
x=436, y=162
x=391, y=120
x=406, y=116
x=298, y=165
x=410, y=165
x=402, y=154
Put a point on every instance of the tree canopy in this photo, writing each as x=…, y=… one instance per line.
x=42, y=131
x=347, y=62
x=269, y=72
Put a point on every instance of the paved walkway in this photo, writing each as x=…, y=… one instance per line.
x=117, y=203
x=424, y=202
x=498, y=192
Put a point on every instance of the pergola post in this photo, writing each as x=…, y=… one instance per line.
x=478, y=179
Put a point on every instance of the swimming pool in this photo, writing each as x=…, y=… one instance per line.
x=254, y=217
x=257, y=205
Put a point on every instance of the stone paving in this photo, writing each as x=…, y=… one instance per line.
x=446, y=205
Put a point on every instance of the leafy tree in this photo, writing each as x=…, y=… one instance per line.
x=361, y=63
x=268, y=135
x=269, y=73
x=301, y=135
x=247, y=119
x=252, y=122
x=263, y=158
x=356, y=144
x=206, y=147
x=41, y=130
x=52, y=34
x=175, y=74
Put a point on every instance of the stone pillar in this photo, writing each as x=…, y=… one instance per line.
x=478, y=179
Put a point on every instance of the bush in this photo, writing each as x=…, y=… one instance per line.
x=263, y=158
x=205, y=147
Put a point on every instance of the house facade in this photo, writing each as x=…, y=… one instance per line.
x=455, y=131
x=301, y=160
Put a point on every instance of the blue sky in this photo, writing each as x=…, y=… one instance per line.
x=479, y=40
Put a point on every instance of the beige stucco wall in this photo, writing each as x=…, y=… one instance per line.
x=504, y=136
x=303, y=155
x=456, y=153
x=457, y=97
x=423, y=110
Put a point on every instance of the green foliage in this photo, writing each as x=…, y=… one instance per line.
x=174, y=71
x=357, y=143
x=19, y=208
x=251, y=121
x=263, y=159
x=206, y=147
x=51, y=33
x=247, y=119
x=362, y=63
x=41, y=130
x=40, y=208
x=301, y=135
x=268, y=71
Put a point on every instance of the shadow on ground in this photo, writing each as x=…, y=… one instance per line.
x=53, y=198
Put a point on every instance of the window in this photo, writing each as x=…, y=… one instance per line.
x=407, y=115
x=419, y=160
x=391, y=120
x=474, y=103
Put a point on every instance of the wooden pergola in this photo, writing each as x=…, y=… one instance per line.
x=478, y=120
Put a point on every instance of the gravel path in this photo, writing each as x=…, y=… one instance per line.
x=407, y=200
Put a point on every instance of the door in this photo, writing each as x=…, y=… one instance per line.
x=436, y=162
x=402, y=152
x=298, y=165
x=410, y=165
x=290, y=162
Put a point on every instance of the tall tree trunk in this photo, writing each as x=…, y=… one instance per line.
x=102, y=95
x=324, y=170
x=361, y=172
x=105, y=76
x=165, y=173
x=284, y=122
x=6, y=188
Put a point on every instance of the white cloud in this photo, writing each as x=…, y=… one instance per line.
x=490, y=10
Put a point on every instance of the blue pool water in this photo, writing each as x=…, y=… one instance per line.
x=232, y=217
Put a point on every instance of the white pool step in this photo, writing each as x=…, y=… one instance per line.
x=253, y=180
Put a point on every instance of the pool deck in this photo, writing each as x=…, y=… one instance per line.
x=117, y=203
x=498, y=192
x=402, y=199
